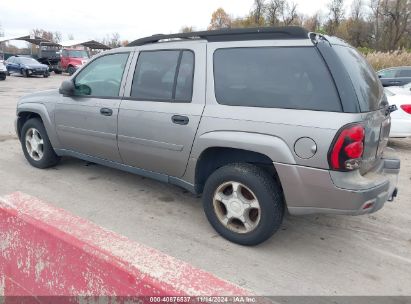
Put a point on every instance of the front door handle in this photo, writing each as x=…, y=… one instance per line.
x=180, y=120
x=106, y=111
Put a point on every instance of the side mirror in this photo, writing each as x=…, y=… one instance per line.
x=67, y=88
x=379, y=76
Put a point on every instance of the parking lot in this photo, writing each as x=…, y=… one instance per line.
x=310, y=255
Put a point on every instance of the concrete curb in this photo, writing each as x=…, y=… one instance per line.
x=46, y=251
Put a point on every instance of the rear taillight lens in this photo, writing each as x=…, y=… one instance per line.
x=406, y=108
x=348, y=148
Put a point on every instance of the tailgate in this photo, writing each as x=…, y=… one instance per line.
x=377, y=130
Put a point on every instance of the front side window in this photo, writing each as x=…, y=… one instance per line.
x=164, y=76
x=102, y=77
x=274, y=77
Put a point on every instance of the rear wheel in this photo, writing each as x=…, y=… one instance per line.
x=243, y=203
x=3, y=77
x=36, y=145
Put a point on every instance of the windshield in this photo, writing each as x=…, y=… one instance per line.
x=366, y=83
x=26, y=60
x=78, y=54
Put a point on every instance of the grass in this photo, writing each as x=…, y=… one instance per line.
x=380, y=60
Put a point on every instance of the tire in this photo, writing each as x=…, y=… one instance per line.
x=58, y=72
x=48, y=158
x=47, y=74
x=25, y=73
x=71, y=70
x=253, y=181
x=3, y=77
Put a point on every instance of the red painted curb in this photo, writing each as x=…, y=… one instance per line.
x=46, y=251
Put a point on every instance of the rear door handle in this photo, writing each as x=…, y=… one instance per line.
x=106, y=111
x=180, y=120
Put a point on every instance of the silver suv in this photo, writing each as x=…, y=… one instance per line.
x=259, y=121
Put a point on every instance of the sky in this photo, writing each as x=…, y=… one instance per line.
x=88, y=19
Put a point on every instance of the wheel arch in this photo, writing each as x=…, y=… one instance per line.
x=216, y=157
x=36, y=110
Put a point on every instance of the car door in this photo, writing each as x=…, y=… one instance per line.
x=162, y=107
x=11, y=65
x=404, y=76
x=86, y=122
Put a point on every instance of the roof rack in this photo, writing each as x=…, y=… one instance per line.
x=261, y=33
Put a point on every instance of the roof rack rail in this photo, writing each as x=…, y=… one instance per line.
x=261, y=33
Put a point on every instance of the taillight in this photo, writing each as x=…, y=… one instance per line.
x=347, y=149
x=406, y=108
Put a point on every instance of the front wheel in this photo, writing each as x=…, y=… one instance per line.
x=71, y=70
x=36, y=145
x=243, y=203
x=47, y=74
x=25, y=73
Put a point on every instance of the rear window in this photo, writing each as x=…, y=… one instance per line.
x=274, y=77
x=366, y=83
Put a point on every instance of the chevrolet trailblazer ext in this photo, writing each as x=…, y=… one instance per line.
x=259, y=121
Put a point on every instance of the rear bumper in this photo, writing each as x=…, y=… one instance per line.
x=309, y=190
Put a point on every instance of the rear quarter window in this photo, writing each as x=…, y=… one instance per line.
x=366, y=83
x=274, y=77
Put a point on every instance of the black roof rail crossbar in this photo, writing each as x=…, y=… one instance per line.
x=261, y=33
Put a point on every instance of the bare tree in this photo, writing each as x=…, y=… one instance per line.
x=258, y=12
x=273, y=11
x=289, y=13
x=397, y=15
x=313, y=23
x=187, y=29
x=112, y=40
x=336, y=15
x=70, y=36
x=1, y=31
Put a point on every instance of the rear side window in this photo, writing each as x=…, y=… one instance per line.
x=365, y=81
x=274, y=77
x=164, y=76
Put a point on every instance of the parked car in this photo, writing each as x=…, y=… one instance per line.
x=49, y=54
x=72, y=59
x=400, y=119
x=26, y=66
x=3, y=70
x=402, y=90
x=397, y=76
x=258, y=121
